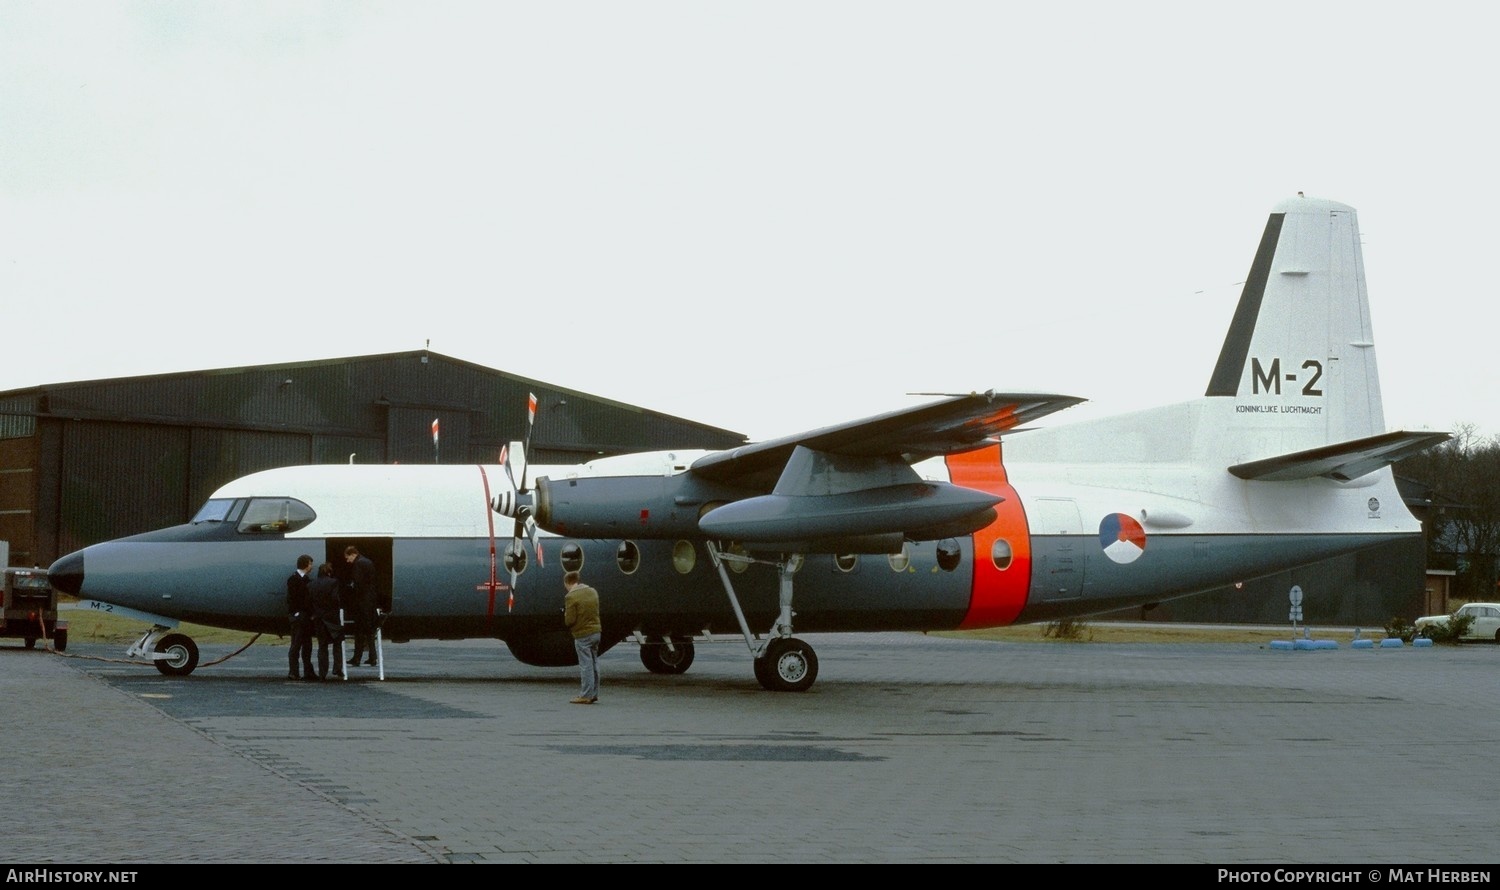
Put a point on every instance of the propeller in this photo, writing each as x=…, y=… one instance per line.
x=518, y=504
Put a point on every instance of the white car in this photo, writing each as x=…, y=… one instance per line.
x=1486, y=624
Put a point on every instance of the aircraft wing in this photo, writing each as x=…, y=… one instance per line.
x=953, y=425
x=1340, y=462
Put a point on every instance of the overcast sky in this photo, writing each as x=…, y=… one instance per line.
x=767, y=216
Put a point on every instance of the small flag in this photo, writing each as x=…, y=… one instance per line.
x=434, y=431
x=531, y=407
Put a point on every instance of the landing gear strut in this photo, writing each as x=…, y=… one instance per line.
x=782, y=662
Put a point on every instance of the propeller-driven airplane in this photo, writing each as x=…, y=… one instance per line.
x=950, y=515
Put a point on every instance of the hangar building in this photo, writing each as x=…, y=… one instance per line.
x=88, y=461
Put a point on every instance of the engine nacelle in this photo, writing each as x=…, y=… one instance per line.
x=893, y=509
x=627, y=506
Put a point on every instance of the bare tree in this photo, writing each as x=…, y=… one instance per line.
x=1463, y=530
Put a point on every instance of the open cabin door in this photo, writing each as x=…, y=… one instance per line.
x=381, y=552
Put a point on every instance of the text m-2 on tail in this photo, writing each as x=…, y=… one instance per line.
x=957, y=513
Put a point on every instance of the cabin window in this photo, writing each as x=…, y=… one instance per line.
x=216, y=510
x=846, y=561
x=572, y=558
x=628, y=557
x=900, y=561
x=515, y=557
x=266, y=516
x=737, y=565
x=1000, y=554
x=684, y=557
x=948, y=554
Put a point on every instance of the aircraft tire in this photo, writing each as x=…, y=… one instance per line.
x=31, y=642
x=759, y=663
x=182, y=655
x=789, y=665
x=659, y=659
x=60, y=641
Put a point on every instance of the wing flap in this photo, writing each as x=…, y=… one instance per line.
x=1341, y=462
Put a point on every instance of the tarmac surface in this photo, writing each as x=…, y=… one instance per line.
x=908, y=749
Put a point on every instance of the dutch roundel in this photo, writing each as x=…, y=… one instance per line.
x=1122, y=538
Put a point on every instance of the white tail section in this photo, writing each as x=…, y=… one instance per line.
x=1295, y=393
x=1299, y=358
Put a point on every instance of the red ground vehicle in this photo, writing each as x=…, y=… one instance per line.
x=30, y=609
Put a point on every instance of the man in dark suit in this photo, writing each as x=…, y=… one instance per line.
x=327, y=618
x=360, y=600
x=297, y=613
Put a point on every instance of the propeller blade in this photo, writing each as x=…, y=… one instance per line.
x=514, y=503
x=505, y=462
x=510, y=593
x=536, y=543
x=515, y=559
x=526, y=445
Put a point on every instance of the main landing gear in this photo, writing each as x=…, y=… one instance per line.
x=782, y=663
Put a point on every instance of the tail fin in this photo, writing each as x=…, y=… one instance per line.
x=1295, y=393
x=1299, y=359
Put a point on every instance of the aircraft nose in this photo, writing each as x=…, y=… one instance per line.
x=66, y=574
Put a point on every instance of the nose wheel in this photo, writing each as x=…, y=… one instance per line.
x=177, y=655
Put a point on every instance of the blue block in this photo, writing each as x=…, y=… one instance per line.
x=1420, y=642
x=1362, y=644
x=1281, y=644
x=1393, y=643
x=1325, y=644
x=1304, y=644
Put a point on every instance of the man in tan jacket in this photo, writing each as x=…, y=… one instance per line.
x=581, y=614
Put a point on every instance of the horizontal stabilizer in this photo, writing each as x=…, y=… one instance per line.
x=1341, y=462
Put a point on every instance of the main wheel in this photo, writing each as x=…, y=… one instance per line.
x=181, y=652
x=658, y=659
x=788, y=665
x=31, y=642
x=60, y=641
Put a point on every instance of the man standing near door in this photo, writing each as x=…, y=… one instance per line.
x=359, y=598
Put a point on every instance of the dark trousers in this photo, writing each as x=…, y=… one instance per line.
x=364, y=630
x=324, y=642
x=300, y=648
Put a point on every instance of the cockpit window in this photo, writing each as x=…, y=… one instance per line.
x=215, y=510
x=275, y=516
